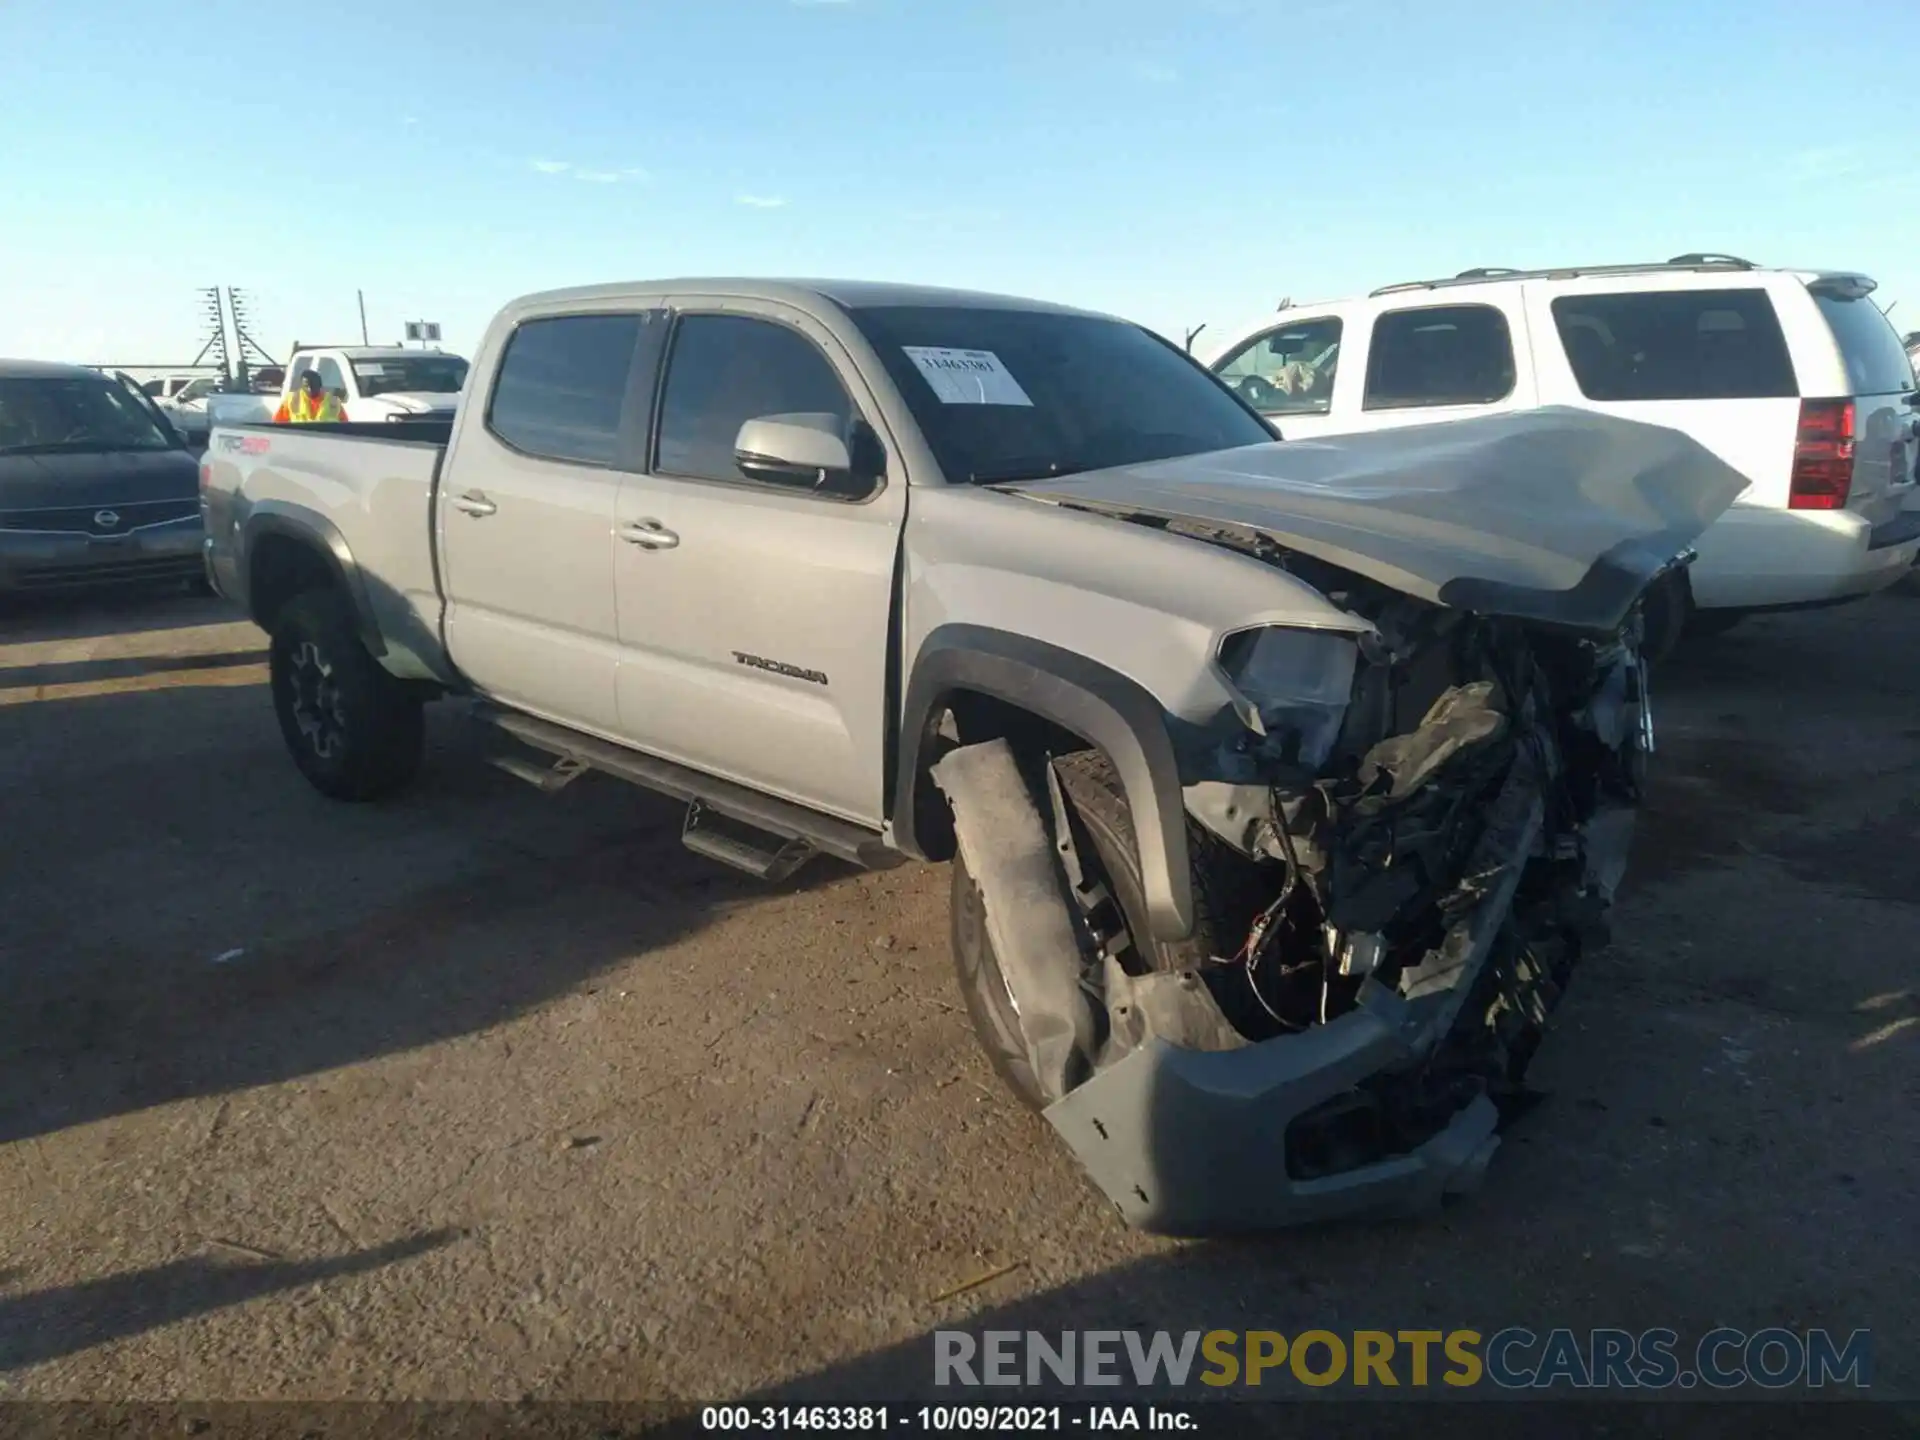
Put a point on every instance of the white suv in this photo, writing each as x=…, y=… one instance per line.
x=1794, y=377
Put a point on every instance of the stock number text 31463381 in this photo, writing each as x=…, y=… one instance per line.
x=979, y=1419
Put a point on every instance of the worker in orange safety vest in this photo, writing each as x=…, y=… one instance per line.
x=309, y=402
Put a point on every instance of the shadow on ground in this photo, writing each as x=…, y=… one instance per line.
x=1735, y=775
x=49, y=1324
x=184, y=917
x=71, y=672
x=83, y=614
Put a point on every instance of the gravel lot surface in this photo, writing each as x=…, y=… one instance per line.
x=484, y=1094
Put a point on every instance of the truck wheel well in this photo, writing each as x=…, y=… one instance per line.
x=968, y=717
x=281, y=568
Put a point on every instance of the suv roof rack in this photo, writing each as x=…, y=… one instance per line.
x=1698, y=260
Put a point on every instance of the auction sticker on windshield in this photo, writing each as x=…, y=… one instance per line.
x=967, y=377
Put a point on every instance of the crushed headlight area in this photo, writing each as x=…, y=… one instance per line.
x=1394, y=879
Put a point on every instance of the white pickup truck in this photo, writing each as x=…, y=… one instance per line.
x=1284, y=783
x=371, y=383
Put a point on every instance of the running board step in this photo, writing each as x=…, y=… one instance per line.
x=742, y=846
x=546, y=779
x=776, y=827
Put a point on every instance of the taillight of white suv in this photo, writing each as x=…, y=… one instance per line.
x=1822, y=456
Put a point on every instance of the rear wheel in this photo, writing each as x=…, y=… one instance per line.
x=354, y=730
x=1099, y=804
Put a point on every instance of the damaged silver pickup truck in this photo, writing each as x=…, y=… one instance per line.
x=1284, y=783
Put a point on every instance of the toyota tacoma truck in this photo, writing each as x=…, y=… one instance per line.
x=1283, y=784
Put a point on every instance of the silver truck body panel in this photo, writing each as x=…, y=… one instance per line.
x=368, y=504
x=1153, y=606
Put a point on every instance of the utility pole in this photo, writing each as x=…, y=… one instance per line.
x=361, y=296
x=1192, y=333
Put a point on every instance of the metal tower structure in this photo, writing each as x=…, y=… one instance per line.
x=216, y=344
x=238, y=304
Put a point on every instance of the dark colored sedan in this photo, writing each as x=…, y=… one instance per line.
x=95, y=486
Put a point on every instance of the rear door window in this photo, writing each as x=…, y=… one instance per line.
x=562, y=387
x=1675, y=345
x=1876, y=362
x=1439, y=355
x=331, y=378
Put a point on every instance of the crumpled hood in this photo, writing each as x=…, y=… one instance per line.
x=1555, y=515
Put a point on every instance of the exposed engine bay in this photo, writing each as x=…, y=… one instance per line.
x=1404, y=848
x=1457, y=842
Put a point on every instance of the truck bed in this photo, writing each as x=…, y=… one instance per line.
x=372, y=483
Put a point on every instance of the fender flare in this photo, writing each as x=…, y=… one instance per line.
x=1090, y=699
x=321, y=535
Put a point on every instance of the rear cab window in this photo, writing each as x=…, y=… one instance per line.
x=1875, y=360
x=1628, y=345
x=332, y=379
x=1439, y=355
x=562, y=387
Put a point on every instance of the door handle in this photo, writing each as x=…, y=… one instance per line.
x=474, y=503
x=649, y=535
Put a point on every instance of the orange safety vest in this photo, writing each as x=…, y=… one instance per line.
x=296, y=409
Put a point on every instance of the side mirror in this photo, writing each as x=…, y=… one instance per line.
x=810, y=451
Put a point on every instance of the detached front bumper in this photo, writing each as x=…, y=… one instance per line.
x=55, y=560
x=1192, y=1128
x=1189, y=1142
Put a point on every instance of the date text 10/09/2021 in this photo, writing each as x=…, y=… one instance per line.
x=943, y=1419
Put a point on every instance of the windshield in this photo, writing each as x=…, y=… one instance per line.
x=63, y=413
x=428, y=374
x=1008, y=395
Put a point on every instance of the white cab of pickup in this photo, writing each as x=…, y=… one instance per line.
x=1793, y=377
x=371, y=383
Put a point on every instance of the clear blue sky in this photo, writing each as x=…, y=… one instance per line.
x=1176, y=161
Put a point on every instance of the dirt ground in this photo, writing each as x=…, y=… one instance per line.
x=489, y=1094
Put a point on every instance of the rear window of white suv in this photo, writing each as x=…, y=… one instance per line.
x=1877, y=363
x=1675, y=345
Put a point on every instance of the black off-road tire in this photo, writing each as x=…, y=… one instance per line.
x=1094, y=792
x=354, y=731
